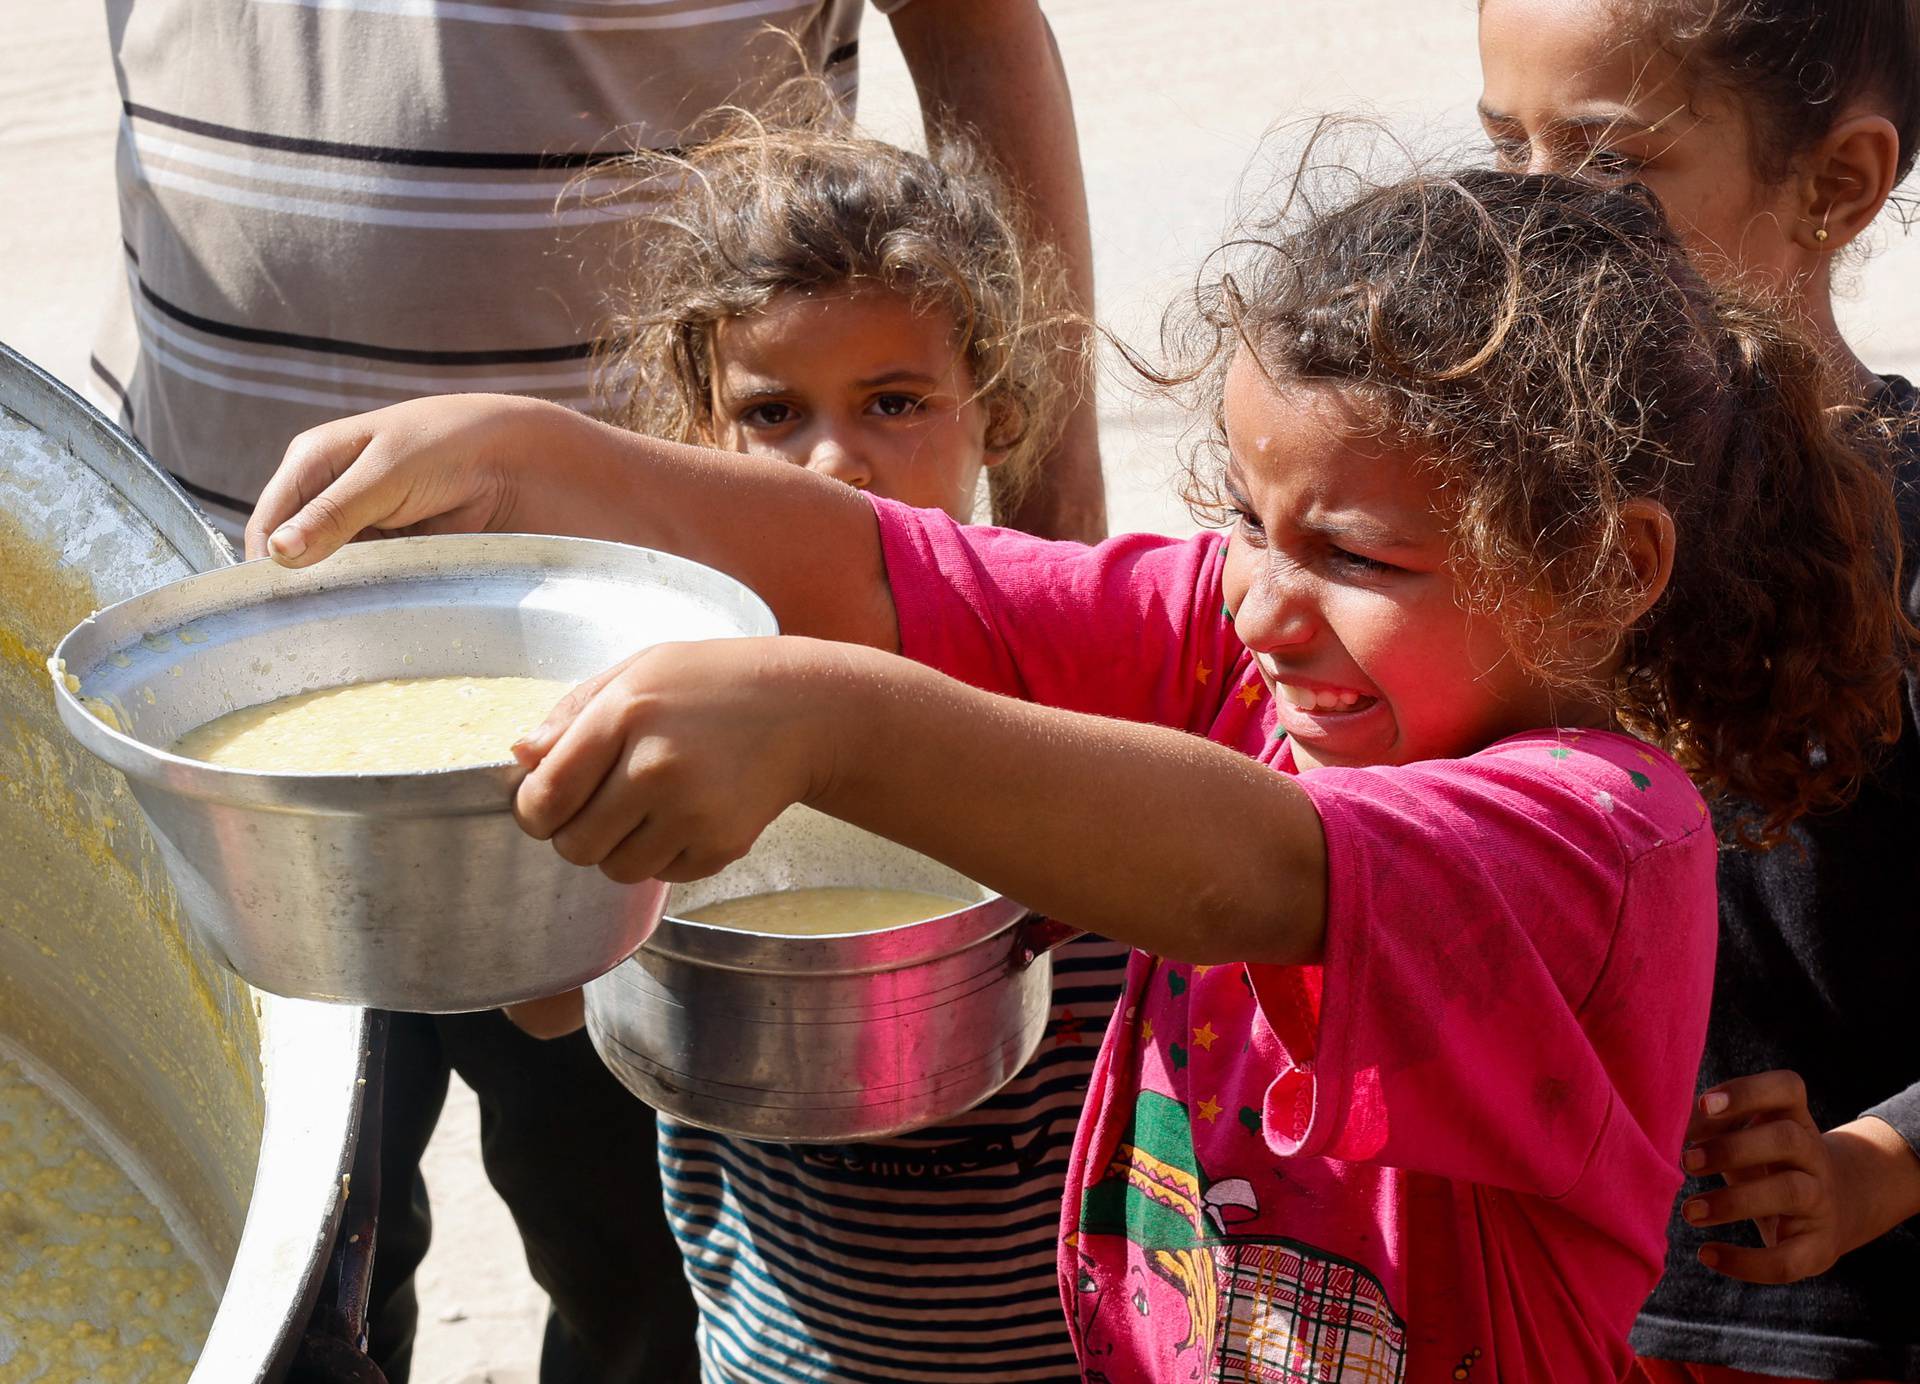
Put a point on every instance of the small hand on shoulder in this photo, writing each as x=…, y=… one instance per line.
x=1814, y=1195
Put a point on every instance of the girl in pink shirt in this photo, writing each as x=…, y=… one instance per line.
x=1385, y=784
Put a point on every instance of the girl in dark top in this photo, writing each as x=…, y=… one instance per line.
x=1774, y=132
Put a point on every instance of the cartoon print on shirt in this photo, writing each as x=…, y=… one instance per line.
x=1087, y=1295
x=1255, y=1309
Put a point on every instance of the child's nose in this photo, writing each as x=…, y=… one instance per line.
x=1277, y=613
x=832, y=456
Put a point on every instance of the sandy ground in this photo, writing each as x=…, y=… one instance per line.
x=1172, y=102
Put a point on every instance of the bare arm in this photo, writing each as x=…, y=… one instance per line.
x=993, y=65
x=476, y=462
x=1156, y=837
x=670, y=766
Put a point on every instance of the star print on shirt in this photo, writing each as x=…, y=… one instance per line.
x=1249, y=695
x=1202, y=672
x=1205, y=1037
x=1209, y=1109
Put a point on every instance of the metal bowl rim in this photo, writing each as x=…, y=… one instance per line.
x=139, y=758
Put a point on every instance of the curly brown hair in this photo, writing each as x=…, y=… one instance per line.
x=790, y=197
x=1545, y=346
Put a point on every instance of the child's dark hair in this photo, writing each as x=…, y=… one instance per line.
x=1797, y=65
x=792, y=198
x=1547, y=349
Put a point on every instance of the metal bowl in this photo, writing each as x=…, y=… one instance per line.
x=413, y=891
x=827, y=1039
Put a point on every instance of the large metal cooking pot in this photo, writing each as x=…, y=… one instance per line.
x=827, y=1039
x=237, y=1108
x=414, y=891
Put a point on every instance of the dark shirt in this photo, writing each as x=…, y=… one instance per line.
x=1819, y=959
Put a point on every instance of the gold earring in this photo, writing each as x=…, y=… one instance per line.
x=1821, y=235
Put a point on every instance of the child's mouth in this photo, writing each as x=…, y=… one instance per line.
x=1324, y=701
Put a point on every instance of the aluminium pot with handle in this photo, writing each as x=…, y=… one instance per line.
x=835, y=1038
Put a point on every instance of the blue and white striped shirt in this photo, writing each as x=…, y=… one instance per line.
x=927, y=1258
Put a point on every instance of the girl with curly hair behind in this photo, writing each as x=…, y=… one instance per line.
x=803, y=291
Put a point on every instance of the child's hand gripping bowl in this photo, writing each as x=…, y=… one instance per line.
x=670, y=765
x=666, y=766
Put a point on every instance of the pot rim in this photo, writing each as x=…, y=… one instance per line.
x=714, y=947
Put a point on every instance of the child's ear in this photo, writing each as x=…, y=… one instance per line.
x=1006, y=424
x=1650, y=544
x=1847, y=181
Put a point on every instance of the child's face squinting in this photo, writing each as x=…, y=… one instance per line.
x=859, y=387
x=1564, y=93
x=1340, y=585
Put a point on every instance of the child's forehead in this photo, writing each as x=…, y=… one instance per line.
x=1319, y=447
x=850, y=307
x=1268, y=410
x=863, y=328
x=1572, y=58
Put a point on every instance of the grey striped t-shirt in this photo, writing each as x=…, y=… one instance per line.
x=328, y=206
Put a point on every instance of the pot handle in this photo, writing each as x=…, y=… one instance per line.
x=1036, y=936
x=333, y=1349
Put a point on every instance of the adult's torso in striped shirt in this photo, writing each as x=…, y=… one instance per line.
x=922, y=1260
x=332, y=205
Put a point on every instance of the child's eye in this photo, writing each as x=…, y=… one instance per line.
x=1511, y=155
x=895, y=405
x=1612, y=165
x=768, y=415
x=1360, y=562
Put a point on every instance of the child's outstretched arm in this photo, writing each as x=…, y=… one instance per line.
x=479, y=462
x=670, y=766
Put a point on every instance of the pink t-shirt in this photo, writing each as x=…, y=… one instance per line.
x=1447, y=1153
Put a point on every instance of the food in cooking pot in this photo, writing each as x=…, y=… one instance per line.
x=817, y=912
x=92, y=1285
x=397, y=725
